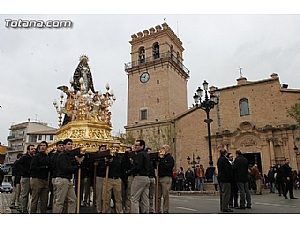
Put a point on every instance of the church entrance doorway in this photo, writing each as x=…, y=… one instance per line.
x=254, y=158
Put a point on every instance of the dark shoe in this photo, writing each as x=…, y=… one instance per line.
x=285, y=197
x=12, y=207
x=249, y=207
x=294, y=198
x=240, y=207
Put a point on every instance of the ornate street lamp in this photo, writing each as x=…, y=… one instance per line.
x=208, y=103
x=193, y=162
x=296, y=150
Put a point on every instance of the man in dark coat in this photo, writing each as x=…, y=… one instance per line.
x=240, y=171
x=288, y=178
x=225, y=176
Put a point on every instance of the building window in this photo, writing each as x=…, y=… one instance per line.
x=141, y=55
x=144, y=114
x=178, y=58
x=51, y=137
x=40, y=137
x=32, y=138
x=244, y=107
x=155, y=50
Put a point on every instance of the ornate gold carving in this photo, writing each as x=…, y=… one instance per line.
x=78, y=133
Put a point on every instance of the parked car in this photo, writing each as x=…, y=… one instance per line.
x=6, y=187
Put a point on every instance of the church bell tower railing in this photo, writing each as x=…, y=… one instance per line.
x=151, y=59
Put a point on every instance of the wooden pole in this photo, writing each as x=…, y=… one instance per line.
x=78, y=191
x=94, y=186
x=156, y=188
x=105, y=190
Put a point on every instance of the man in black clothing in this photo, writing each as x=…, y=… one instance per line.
x=190, y=179
x=100, y=175
x=66, y=167
x=288, y=178
x=165, y=174
x=54, y=157
x=271, y=179
x=40, y=168
x=113, y=184
x=129, y=161
x=16, y=178
x=233, y=202
x=225, y=176
x=152, y=183
x=240, y=171
x=24, y=166
x=279, y=179
x=140, y=184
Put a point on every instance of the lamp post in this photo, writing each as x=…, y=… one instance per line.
x=193, y=162
x=207, y=103
x=297, y=153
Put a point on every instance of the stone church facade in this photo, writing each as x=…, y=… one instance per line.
x=250, y=116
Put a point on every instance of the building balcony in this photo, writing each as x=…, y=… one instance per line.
x=158, y=58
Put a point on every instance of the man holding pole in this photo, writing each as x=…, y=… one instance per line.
x=63, y=181
x=141, y=183
x=115, y=168
x=165, y=173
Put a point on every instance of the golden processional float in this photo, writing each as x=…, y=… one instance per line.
x=83, y=113
x=84, y=117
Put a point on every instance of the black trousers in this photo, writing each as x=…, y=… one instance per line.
x=289, y=188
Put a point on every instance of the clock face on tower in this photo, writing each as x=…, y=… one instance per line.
x=145, y=77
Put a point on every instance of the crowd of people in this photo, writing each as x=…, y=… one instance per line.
x=133, y=182
x=193, y=179
x=62, y=182
x=237, y=178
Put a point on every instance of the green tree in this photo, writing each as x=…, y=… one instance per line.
x=294, y=112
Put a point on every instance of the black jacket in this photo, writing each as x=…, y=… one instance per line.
x=65, y=165
x=40, y=165
x=100, y=171
x=141, y=164
x=240, y=169
x=24, y=165
x=116, y=167
x=225, y=171
x=16, y=172
x=287, y=171
x=53, y=163
x=279, y=174
x=166, y=165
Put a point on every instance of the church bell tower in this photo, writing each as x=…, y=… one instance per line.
x=157, y=78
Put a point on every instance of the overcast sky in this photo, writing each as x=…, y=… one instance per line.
x=35, y=61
